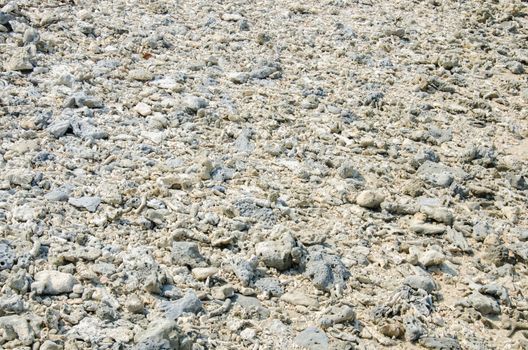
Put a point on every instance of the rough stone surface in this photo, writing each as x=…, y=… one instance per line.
x=226, y=174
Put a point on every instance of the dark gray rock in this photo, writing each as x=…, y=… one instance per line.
x=325, y=270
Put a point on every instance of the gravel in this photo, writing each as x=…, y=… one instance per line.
x=263, y=175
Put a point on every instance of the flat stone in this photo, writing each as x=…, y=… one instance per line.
x=298, y=298
x=312, y=338
x=88, y=203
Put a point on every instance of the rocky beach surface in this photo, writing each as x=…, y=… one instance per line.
x=192, y=174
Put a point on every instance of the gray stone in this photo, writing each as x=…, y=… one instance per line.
x=427, y=229
x=312, y=338
x=59, y=128
x=439, y=174
x=269, y=285
x=432, y=258
x=223, y=292
x=20, y=60
x=50, y=345
x=251, y=304
x=50, y=282
x=193, y=103
x=275, y=254
x=7, y=256
x=88, y=203
x=370, y=199
x=187, y=254
x=299, y=298
x=16, y=327
x=440, y=343
x=325, y=270
x=481, y=230
x=189, y=303
x=414, y=329
x=421, y=282
x=238, y=77
x=244, y=270
x=134, y=304
x=338, y=314
x=347, y=170
x=161, y=334
x=12, y=304
x=438, y=214
x=484, y=304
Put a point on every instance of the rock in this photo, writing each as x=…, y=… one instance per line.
x=347, y=170
x=223, y=292
x=484, y=304
x=481, y=230
x=51, y=282
x=251, y=304
x=20, y=177
x=299, y=298
x=20, y=60
x=439, y=174
x=7, y=256
x=88, y=203
x=325, y=270
x=16, y=327
x=193, y=103
x=248, y=334
x=270, y=286
x=24, y=213
x=432, y=258
x=413, y=329
x=275, y=254
x=440, y=343
x=515, y=67
x=140, y=75
x=312, y=338
x=143, y=109
x=370, y=199
x=421, y=282
x=57, y=195
x=244, y=270
x=161, y=334
x=392, y=329
x=427, y=229
x=12, y=304
x=50, y=345
x=59, y=128
x=337, y=314
x=189, y=303
x=439, y=214
x=203, y=273
x=238, y=77
x=134, y=304
x=187, y=253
